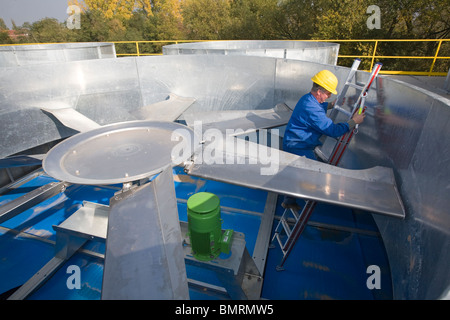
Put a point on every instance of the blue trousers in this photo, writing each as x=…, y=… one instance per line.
x=309, y=153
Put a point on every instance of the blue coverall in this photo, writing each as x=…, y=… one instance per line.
x=307, y=124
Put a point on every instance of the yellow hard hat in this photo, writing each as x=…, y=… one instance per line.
x=327, y=80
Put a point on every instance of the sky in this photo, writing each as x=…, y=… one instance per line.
x=32, y=10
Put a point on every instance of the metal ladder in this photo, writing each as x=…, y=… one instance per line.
x=284, y=234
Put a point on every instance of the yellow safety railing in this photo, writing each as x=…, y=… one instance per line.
x=372, y=57
x=138, y=51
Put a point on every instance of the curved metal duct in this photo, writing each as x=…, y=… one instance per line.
x=20, y=55
x=322, y=52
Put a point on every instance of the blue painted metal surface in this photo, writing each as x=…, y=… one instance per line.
x=329, y=261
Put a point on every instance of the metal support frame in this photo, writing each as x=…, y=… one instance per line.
x=16, y=206
x=447, y=82
x=144, y=255
x=265, y=229
x=239, y=275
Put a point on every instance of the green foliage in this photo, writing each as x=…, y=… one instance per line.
x=122, y=20
x=48, y=30
x=3, y=25
x=4, y=38
x=206, y=19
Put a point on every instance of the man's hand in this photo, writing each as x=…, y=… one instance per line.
x=358, y=118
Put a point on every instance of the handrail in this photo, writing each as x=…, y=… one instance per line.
x=139, y=52
x=375, y=56
x=372, y=56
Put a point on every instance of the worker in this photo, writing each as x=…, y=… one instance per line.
x=309, y=121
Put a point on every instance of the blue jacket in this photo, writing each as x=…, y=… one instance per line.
x=308, y=123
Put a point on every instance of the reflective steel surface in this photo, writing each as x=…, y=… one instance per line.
x=117, y=153
x=294, y=50
x=406, y=129
x=284, y=173
x=55, y=52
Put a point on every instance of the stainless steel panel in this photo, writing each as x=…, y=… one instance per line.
x=55, y=52
x=117, y=153
x=90, y=221
x=102, y=90
x=144, y=253
x=419, y=249
x=240, y=122
x=216, y=82
x=371, y=189
x=322, y=52
x=167, y=110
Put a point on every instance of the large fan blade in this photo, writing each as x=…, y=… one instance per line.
x=239, y=122
x=256, y=166
x=71, y=118
x=167, y=110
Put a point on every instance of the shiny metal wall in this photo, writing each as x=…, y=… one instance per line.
x=322, y=52
x=414, y=135
x=406, y=128
x=19, y=55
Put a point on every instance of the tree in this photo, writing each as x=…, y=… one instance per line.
x=413, y=19
x=120, y=9
x=3, y=25
x=206, y=19
x=168, y=20
x=48, y=30
x=340, y=19
x=252, y=19
x=94, y=27
x=296, y=19
x=4, y=36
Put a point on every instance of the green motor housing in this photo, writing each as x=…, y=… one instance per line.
x=205, y=227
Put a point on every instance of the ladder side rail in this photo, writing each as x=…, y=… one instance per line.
x=304, y=215
x=376, y=69
x=297, y=231
x=280, y=226
x=344, y=144
x=343, y=92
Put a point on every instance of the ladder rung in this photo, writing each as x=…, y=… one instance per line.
x=338, y=108
x=353, y=85
x=286, y=227
x=277, y=235
x=294, y=213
